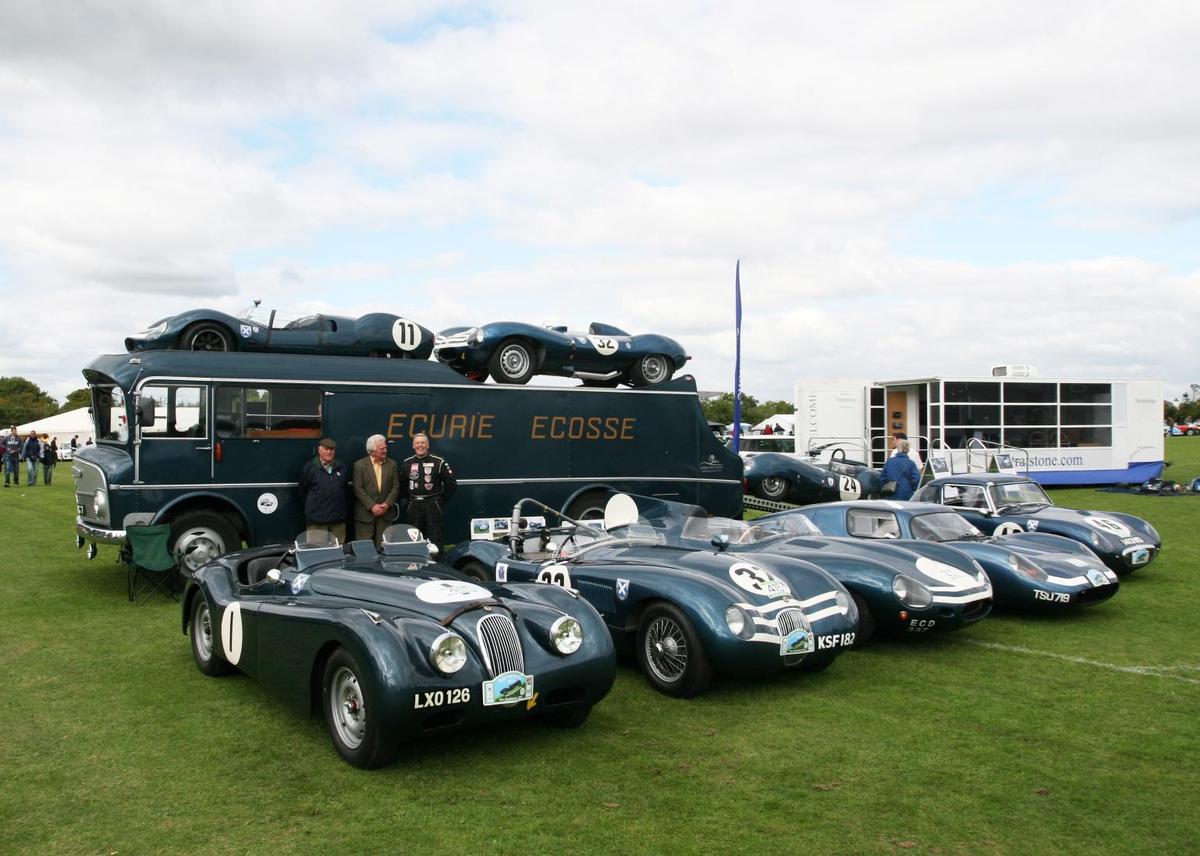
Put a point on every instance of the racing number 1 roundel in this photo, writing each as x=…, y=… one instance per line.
x=231, y=632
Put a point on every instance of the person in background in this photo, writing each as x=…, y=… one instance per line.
x=376, y=485
x=912, y=453
x=74, y=443
x=49, y=459
x=901, y=470
x=324, y=486
x=12, y=455
x=31, y=453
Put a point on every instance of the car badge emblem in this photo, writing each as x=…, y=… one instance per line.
x=414, y=534
x=622, y=589
x=246, y=331
x=502, y=572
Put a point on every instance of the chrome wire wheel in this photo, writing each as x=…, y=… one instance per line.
x=515, y=360
x=666, y=649
x=347, y=709
x=655, y=368
x=202, y=631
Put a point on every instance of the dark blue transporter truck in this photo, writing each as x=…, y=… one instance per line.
x=213, y=443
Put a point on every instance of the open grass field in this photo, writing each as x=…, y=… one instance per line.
x=1018, y=735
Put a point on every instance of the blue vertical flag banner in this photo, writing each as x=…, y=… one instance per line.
x=737, y=357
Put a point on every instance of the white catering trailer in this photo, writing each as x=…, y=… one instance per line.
x=1061, y=431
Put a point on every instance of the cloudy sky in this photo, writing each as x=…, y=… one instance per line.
x=912, y=188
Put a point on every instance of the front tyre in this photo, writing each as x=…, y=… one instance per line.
x=198, y=537
x=866, y=621
x=206, y=336
x=512, y=362
x=774, y=488
x=651, y=369
x=670, y=653
x=207, y=659
x=349, y=706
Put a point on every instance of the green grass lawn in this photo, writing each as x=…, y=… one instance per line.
x=1018, y=735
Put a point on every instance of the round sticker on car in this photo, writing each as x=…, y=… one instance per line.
x=849, y=488
x=1109, y=525
x=758, y=580
x=1007, y=528
x=605, y=345
x=451, y=591
x=267, y=503
x=406, y=334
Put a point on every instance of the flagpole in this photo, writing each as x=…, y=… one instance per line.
x=737, y=358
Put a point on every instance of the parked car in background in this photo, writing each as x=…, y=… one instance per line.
x=391, y=645
x=513, y=352
x=1002, y=504
x=689, y=610
x=1033, y=571
x=789, y=478
x=378, y=334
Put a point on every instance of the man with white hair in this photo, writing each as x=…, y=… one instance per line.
x=376, y=486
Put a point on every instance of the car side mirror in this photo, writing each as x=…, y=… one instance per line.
x=433, y=550
x=145, y=411
x=721, y=542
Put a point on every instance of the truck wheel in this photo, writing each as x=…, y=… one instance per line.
x=206, y=337
x=670, y=653
x=651, y=369
x=589, y=506
x=198, y=537
x=512, y=362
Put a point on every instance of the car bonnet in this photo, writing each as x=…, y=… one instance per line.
x=429, y=590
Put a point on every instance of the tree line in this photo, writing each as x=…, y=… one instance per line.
x=24, y=401
x=1186, y=408
x=720, y=409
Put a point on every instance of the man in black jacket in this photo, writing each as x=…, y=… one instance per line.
x=324, y=483
x=427, y=482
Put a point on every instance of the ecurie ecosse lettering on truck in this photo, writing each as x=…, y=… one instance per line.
x=213, y=443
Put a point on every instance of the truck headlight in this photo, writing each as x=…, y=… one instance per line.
x=566, y=635
x=100, y=501
x=910, y=592
x=448, y=653
x=740, y=624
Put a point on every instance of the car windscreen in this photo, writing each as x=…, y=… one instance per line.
x=633, y=535
x=704, y=529
x=109, y=414
x=1018, y=493
x=942, y=526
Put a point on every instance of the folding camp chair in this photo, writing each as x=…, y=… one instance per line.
x=151, y=561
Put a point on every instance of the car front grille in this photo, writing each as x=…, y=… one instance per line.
x=86, y=501
x=500, y=644
x=789, y=620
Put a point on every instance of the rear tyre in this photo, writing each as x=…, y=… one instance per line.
x=866, y=621
x=512, y=362
x=198, y=537
x=774, y=488
x=670, y=653
x=207, y=659
x=206, y=336
x=476, y=570
x=651, y=369
x=350, y=708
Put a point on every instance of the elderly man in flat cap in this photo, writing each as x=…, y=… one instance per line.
x=324, y=489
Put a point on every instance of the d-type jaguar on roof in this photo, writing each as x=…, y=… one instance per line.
x=393, y=646
x=378, y=334
x=1001, y=504
x=513, y=352
x=689, y=611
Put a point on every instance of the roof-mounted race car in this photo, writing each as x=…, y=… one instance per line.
x=513, y=352
x=391, y=645
x=1029, y=570
x=688, y=611
x=783, y=477
x=1001, y=504
x=378, y=334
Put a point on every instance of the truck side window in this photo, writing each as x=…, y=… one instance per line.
x=178, y=411
x=261, y=412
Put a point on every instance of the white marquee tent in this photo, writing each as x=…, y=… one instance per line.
x=62, y=427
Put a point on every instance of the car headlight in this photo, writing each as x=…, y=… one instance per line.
x=1152, y=532
x=910, y=592
x=474, y=336
x=448, y=653
x=566, y=635
x=100, y=500
x=1096, y=540
x=156, y=330
x=842, y=601
x=740, y=624
x=1024, y=566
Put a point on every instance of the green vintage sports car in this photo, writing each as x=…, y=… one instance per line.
x=391, y=645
